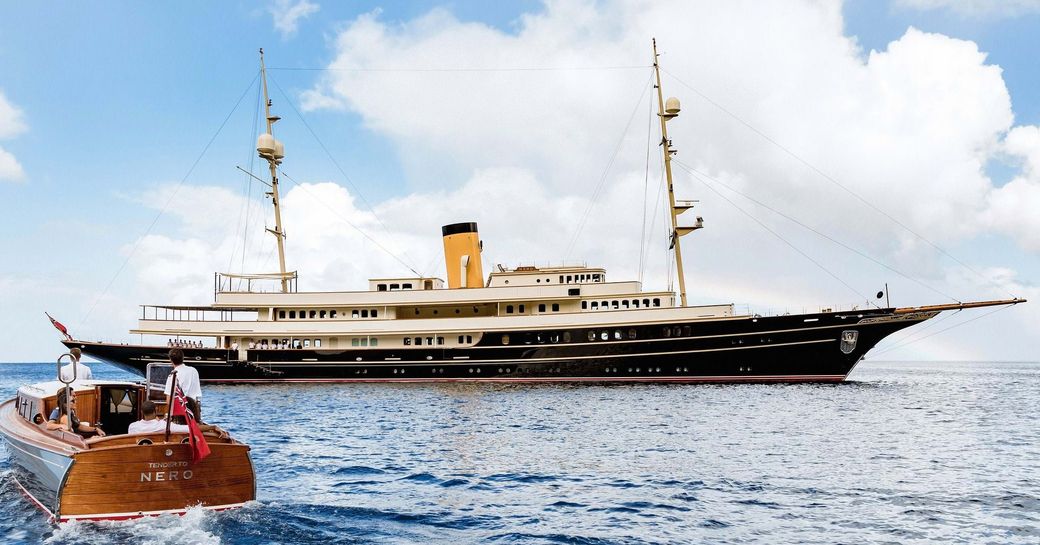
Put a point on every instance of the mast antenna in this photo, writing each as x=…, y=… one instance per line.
x=667, y=111
x=273, y=151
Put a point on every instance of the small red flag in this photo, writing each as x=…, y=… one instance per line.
x=199, y=448
x=58, y=325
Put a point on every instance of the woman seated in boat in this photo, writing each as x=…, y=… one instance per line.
x=60, y=417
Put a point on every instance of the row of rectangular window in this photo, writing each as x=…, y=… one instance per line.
x=597, y=335
x=322, y=314
x=541, y=308
x=393, y=287
x=618, y=304
x=419, y=341
x=579, y=278
x=284, y=343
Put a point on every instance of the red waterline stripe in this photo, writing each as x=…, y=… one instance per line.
x=35, y=501
x=737, y=378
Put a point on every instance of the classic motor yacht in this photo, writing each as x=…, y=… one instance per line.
x=521, y=324
x=117, y=476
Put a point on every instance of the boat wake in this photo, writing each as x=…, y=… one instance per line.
x=197, y=526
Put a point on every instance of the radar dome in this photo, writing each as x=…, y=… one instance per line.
x=265, y=144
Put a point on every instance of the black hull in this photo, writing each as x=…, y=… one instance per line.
x=800, y=348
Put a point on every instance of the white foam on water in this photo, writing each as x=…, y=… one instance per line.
x=188, y=529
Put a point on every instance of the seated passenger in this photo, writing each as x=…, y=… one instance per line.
x=151, y=423
x=60, y=417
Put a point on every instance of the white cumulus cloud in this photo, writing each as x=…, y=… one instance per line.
x=523, y=152
x=287, y=14
x=12, y=123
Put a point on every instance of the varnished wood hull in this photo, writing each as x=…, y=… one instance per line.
x=132, y=481
x=117, y=479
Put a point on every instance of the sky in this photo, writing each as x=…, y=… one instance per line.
x=834, y=148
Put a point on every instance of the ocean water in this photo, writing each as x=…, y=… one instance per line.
x=903, y=453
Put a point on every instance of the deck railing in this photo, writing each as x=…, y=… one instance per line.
x=253, y=283
x=186, y=314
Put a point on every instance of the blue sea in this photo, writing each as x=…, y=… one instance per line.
x=903, y=453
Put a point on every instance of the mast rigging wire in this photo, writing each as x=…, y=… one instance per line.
x=169, y=201
x=606, y=170
x=350, y=181
x=646, y=183
x=247, y=204
x=998, y=309
x=776, y=234
x=830, y=179
x=908, y=334
x=348, y=222
x=507, y=69
x=864, y=255
x=653, y=217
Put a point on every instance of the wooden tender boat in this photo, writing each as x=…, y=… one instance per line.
x=118, y=476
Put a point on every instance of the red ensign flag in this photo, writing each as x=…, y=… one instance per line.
x=199, y=448
x=58, y=325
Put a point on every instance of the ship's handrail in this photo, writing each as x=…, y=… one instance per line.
x=254, y=282
x=196, y=314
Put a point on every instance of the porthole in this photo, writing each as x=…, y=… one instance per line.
x=617, y=334
x=632, y=333
x=592, y=335
x=505, y=339
x=357, y=358
x=637, y=369
x=605, y=335
x=429, y=357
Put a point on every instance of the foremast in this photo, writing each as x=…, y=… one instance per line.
x=666, y=111
x=273, y=151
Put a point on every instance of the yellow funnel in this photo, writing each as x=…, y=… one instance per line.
x=462, y=255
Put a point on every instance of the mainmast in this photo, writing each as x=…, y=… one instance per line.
x=667, y=111
x=273, y=151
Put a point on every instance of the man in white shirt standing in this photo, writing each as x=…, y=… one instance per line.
x=188, y=380
x=82, y=371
